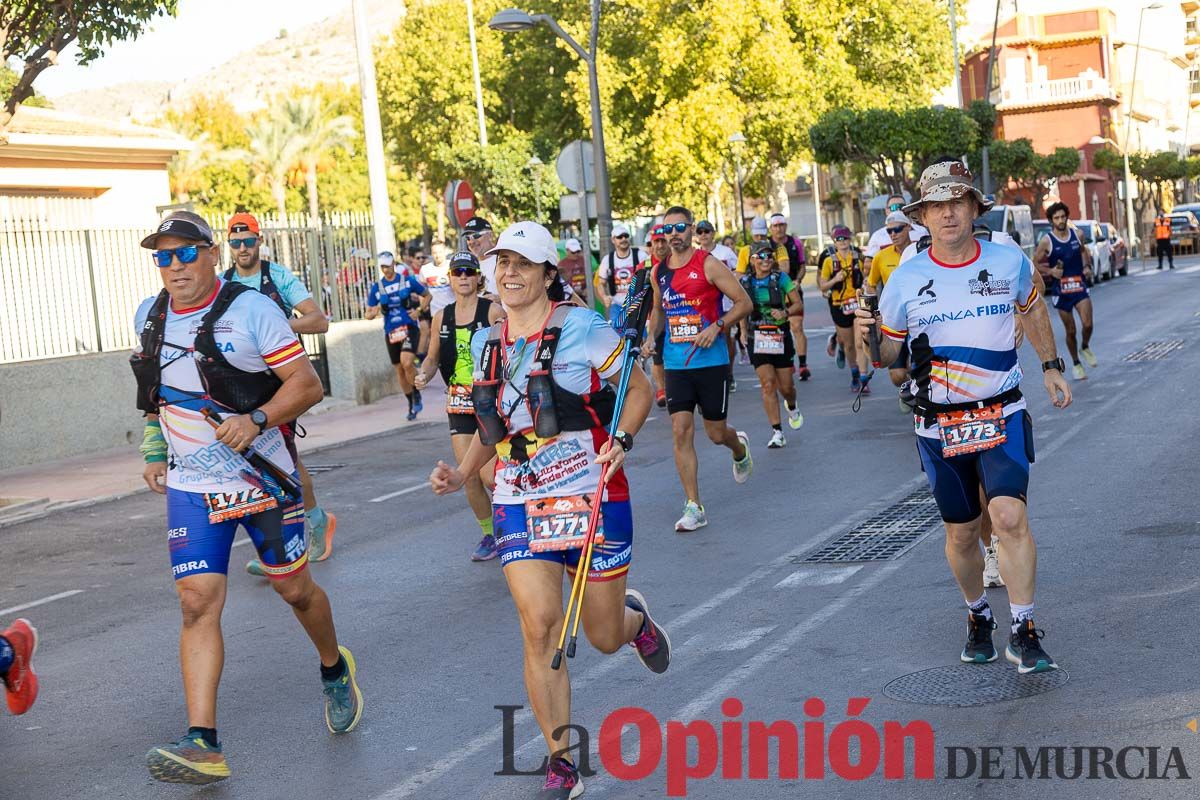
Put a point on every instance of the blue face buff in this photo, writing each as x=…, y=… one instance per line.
x=186, y=255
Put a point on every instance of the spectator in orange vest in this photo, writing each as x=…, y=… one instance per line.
x=1162, y=238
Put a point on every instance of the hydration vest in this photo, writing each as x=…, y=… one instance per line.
x=552, y=408
x=266, y=286
x=612, y=268
x=775, y=298
x=856, y=275
x=795, y=256
x=448, y=336
x=223, y=383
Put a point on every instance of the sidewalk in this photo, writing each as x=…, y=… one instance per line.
x=32, y=492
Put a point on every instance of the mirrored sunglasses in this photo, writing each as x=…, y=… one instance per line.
x=186, y=255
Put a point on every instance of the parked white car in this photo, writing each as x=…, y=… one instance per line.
x=1093, y=238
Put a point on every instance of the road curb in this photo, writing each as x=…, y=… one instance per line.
x=72, y=505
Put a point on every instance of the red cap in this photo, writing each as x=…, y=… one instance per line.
x=242, y=221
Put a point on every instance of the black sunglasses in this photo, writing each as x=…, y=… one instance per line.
x=899, y=229
x=238, y=244
x=621, y=236
x=841, y=238
x=464, y=272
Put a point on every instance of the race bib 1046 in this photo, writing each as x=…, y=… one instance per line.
x=458, y=399
x=972, y=430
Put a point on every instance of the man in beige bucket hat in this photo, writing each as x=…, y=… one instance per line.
x=956, y=303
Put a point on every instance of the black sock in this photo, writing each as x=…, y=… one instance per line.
x=778, y=428
x=209, y=735
x=334, y=672
x=802, y=360
x=409, y=395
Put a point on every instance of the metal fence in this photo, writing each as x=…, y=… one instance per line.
x=68, y=290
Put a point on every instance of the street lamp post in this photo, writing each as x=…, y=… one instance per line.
x=483, y=140
x=735, y=145
x=511, y=20
x=1130, y=222
x=381, y=212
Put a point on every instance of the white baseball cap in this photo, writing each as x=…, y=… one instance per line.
x=386, y=259
x=897, y=218
x=573, y=246
x=530, y=240
x=777, y=219
x=759, y=227
x=619, y=230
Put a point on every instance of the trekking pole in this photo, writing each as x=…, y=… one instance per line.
x=636, y=310
x=263, y=465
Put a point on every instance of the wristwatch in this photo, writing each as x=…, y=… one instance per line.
x=624, y=439
x=259, y=418
x=720, y=324
x=1057, y=364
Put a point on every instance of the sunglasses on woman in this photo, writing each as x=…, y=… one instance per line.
x=464, y=272
x=186, y=255
x=898, y=229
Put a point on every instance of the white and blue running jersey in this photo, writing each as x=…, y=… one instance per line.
x=959, y=322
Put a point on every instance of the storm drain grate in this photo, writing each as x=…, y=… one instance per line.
x=318, y=468
x=887, y=535
x=965, y=685
x=1155, y=351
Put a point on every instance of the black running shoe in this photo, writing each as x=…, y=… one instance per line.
x=979, y=648
x=562, y=781
x=652, y=643
x=1025, y=650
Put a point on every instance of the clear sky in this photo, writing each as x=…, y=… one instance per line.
x=203, y=35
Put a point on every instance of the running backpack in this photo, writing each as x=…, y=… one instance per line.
x=612, y=268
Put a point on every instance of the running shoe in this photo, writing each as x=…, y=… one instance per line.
x=979, y=648
x=562, y=781
x=660, y=398
x=1089, y=357
x=795, y=418
x=411, y=415
x=805, y=373
x=743, y=468
x=831, y=345
x=255, y=568
x=486, y=550
x=652, y=643
x=418, y=405
x=991, y=568
x=21, y=682
x=1025, y=650
x=320, y=536
x=693, y=518
x=189, y=760
x=841, y=358
x=732, y=385
x=1077, y=372
x=777, y=440
x=343, y=700
x=743, y=359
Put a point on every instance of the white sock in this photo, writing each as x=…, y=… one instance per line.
x=981, y=606
x=1019, y=613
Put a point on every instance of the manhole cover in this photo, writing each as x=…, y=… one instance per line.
x=1155, y=351
x=883, y=537
x=964, y=685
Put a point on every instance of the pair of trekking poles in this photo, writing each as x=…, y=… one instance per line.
x=631, y=324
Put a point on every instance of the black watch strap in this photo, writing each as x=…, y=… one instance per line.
x=624, y=439
x=259, y=418
x=1057, y=364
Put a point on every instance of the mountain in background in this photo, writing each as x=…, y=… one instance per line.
x=322, y=52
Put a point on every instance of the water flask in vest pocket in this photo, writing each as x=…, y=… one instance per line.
x=540, y=396
x=484, y=396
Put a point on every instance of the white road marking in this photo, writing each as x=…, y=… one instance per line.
x=418, y=783
x=1189, y=269
x=1146, y=273
x=390, y=495
x=61, y=595
x=817, y=577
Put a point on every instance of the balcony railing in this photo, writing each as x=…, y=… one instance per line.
x=1088, y=85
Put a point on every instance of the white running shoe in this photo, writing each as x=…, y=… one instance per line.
x=743, y=468
x=693, y=518
x=733, y=385
x=795, y=418
x=777, y=440
x=1077, y=372
x=991, y=569
x=1089, y=357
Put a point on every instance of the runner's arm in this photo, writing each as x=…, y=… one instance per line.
x=601, y=283
x=1041, y=256
x=311, y=319
x=795, y=305
x=373, y=305
x=430, y=364
x=446, y=479
x=1036, y=324
x=657, y=317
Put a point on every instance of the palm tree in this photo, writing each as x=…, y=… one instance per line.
x=271, y=155
x=315, y=133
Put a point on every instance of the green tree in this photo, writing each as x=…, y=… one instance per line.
x=271, y=155
x=316, y=132
x=36, y=31
x=895, y=145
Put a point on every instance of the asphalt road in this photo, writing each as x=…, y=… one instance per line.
x=436, y=638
